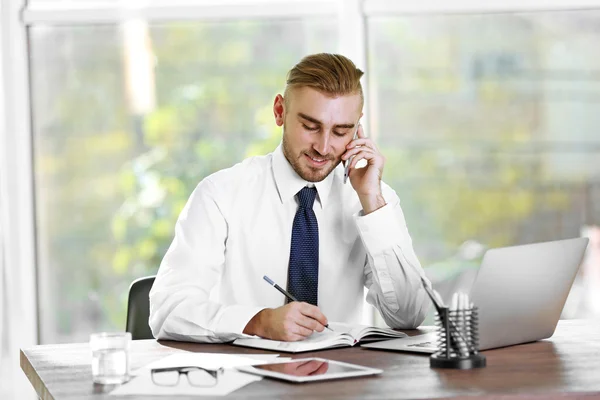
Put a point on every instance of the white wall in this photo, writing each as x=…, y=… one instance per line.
x=19, y=325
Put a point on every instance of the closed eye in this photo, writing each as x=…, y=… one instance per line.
x=310, y=128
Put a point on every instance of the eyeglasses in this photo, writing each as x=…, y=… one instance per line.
x=196, y=376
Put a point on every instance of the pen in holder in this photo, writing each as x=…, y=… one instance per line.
x=458, y=339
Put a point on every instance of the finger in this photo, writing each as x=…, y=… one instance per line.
x=354, y=151
x=360, y=133
x=310, y=323
x=292, y=337
x=366, y=142
x=292, y=331
x=313, y=312
x=362, y=155
x=302, y=331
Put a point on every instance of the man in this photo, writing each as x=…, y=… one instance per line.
x=290, y=216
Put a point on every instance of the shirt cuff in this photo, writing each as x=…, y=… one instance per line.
x=379, y=230
x=235, y=318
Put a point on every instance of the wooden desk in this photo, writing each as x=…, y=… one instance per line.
x=565, y=366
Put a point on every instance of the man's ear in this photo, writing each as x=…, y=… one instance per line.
x=279, y=110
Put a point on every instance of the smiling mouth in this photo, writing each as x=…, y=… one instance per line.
x=317, y=161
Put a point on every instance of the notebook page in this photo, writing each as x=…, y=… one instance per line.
x=318, y=340
x=360, y=331
x=322, y=340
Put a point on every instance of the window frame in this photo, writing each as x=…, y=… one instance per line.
x=53, y=12
x=385, y=7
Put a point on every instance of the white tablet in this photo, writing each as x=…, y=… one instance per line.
x=309, y=370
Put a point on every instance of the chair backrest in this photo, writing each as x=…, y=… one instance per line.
x=138, y=308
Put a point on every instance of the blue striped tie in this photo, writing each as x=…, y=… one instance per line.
x=303, y=274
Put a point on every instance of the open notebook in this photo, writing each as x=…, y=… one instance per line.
x=342, y=335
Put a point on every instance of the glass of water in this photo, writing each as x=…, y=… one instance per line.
x=110, y=357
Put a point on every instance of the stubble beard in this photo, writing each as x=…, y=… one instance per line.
x=305, y=172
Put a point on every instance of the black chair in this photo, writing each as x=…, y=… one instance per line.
x=138, y=308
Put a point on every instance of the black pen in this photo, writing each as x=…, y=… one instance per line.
x=286, y=293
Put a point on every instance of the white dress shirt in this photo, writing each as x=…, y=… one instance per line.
x=236, y=227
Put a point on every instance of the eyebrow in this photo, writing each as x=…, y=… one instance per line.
x=316, y=121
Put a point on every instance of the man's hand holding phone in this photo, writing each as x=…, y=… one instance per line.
x=366, y=181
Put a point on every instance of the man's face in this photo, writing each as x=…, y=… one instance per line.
x=316, y=129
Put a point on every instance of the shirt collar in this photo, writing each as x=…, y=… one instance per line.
x=289, y=183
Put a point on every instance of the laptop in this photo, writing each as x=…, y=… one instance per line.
x=520, y=292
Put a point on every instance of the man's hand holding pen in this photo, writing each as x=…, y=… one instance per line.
x=292, y=322
x=365, y=181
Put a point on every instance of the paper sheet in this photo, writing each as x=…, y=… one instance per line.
x=229, y=381
x=142, y=384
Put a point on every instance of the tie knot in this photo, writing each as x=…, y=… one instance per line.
x=306, y=196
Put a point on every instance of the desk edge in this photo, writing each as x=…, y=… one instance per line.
x=34, y=378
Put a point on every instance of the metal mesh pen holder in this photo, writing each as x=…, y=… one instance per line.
x=458, y=340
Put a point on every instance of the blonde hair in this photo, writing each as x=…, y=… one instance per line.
x=331, y=74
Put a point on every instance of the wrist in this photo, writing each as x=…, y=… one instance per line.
x=256, y=324
x=371, y=202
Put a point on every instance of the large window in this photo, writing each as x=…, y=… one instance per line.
x=488, y=121
x=127, y=120
x=491, y=129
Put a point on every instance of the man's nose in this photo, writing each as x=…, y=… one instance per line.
x=322, y=144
